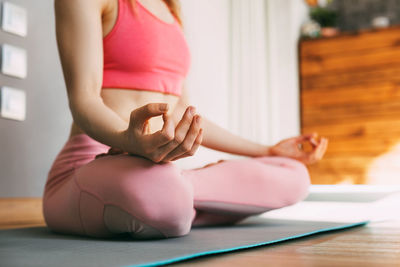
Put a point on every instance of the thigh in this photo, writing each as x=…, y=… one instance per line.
x=155, y=194
x=124, y=180
x=249, y=186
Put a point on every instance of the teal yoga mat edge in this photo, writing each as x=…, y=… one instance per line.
x=220, y=251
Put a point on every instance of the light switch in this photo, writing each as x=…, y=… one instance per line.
x=14, y=19
x=14, y=61
x=13, y=103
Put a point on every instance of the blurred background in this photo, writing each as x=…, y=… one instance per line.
x=265, y=69
x=349, y=90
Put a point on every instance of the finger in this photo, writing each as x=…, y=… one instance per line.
x=319, y=151
x=146, y=128
x=165, y=135
x=306, y=137
x=313, y=142
x=184, y=124
x=322, y=149
x=180, y=132
x=326, y=144
x=141, y=115
x=187, y=144
x=158, y=153
x=195, y=147
x=312, y=139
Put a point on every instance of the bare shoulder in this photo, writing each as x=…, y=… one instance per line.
x=91, y=6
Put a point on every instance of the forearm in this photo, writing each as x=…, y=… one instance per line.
x=99, y=121
x=217, y=138
x=221, y=139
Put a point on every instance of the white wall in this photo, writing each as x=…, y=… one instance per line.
x=207, y=29
x=284, y=19
x=226, y=38
x=249, y=69
x=28, y=148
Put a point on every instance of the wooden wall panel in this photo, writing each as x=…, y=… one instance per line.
x=344, y=44
x=350, y=92
x=355, y=77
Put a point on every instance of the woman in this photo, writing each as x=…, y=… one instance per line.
x=124, y=64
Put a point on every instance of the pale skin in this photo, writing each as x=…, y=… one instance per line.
x=159, y=127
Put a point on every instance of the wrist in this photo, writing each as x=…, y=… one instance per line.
x=261, y=151
x=122, y=141
x=268, y=151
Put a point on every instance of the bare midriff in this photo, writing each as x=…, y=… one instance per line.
x=124, y=101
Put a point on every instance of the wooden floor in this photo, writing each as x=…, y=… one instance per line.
x=377, y=244
x=363, y=246
x=373, y=245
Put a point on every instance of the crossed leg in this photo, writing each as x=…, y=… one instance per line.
x=122, y=193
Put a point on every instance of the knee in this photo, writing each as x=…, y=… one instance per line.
x=299, y=182
x=175, y=224
x=155, y=194
x=120, y=221
x=162, y=200
x=170, y=216
x=289, y=178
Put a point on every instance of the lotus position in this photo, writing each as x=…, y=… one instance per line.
x=125, y=63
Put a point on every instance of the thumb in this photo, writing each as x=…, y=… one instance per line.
x=306, y=137
x=140, y=115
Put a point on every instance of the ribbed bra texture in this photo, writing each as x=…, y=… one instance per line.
x=142, y=52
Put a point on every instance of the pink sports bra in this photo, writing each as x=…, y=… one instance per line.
x=142, y=52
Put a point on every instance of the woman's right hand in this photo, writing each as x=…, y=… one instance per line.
x=168, y=144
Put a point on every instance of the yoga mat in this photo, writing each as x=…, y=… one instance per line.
x=38, y=246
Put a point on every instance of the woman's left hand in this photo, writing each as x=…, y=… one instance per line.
x=294, y=148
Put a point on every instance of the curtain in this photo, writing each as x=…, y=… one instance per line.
x=248, y=92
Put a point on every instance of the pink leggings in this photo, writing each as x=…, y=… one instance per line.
x=126, y=194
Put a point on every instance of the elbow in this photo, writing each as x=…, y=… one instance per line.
x=80, y=101
x=74, y=107
x=78, y=115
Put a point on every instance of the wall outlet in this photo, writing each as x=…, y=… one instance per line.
x=13, y=103
x=14, y=19
x=14, y=61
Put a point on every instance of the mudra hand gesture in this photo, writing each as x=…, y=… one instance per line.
x=174, y=141
x=294, y=148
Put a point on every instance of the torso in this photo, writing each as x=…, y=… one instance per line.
x=122, y=101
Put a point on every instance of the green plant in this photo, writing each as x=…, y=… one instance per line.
x=324, y=16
